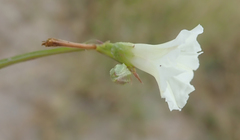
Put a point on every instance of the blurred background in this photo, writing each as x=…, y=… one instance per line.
x=71, y=97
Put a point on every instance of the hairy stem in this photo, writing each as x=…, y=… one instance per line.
x=33, y=55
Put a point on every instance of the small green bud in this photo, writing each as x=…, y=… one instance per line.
x=120, y=74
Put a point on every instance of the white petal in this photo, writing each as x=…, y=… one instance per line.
x=152, y=52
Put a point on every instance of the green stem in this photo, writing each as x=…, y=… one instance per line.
x=33, y=55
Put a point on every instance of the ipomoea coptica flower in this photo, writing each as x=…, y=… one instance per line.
x=171, y=63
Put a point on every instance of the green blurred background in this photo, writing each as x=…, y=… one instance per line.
x=71, y=97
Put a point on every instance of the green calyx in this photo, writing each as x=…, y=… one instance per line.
x=119, y=51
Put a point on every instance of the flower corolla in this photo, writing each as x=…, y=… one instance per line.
x=172, y=65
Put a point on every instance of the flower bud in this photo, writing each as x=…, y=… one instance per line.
x=120, y=74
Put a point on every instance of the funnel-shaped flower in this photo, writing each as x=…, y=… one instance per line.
x=172, y=65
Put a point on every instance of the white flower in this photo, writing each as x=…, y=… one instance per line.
x=172, y=65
